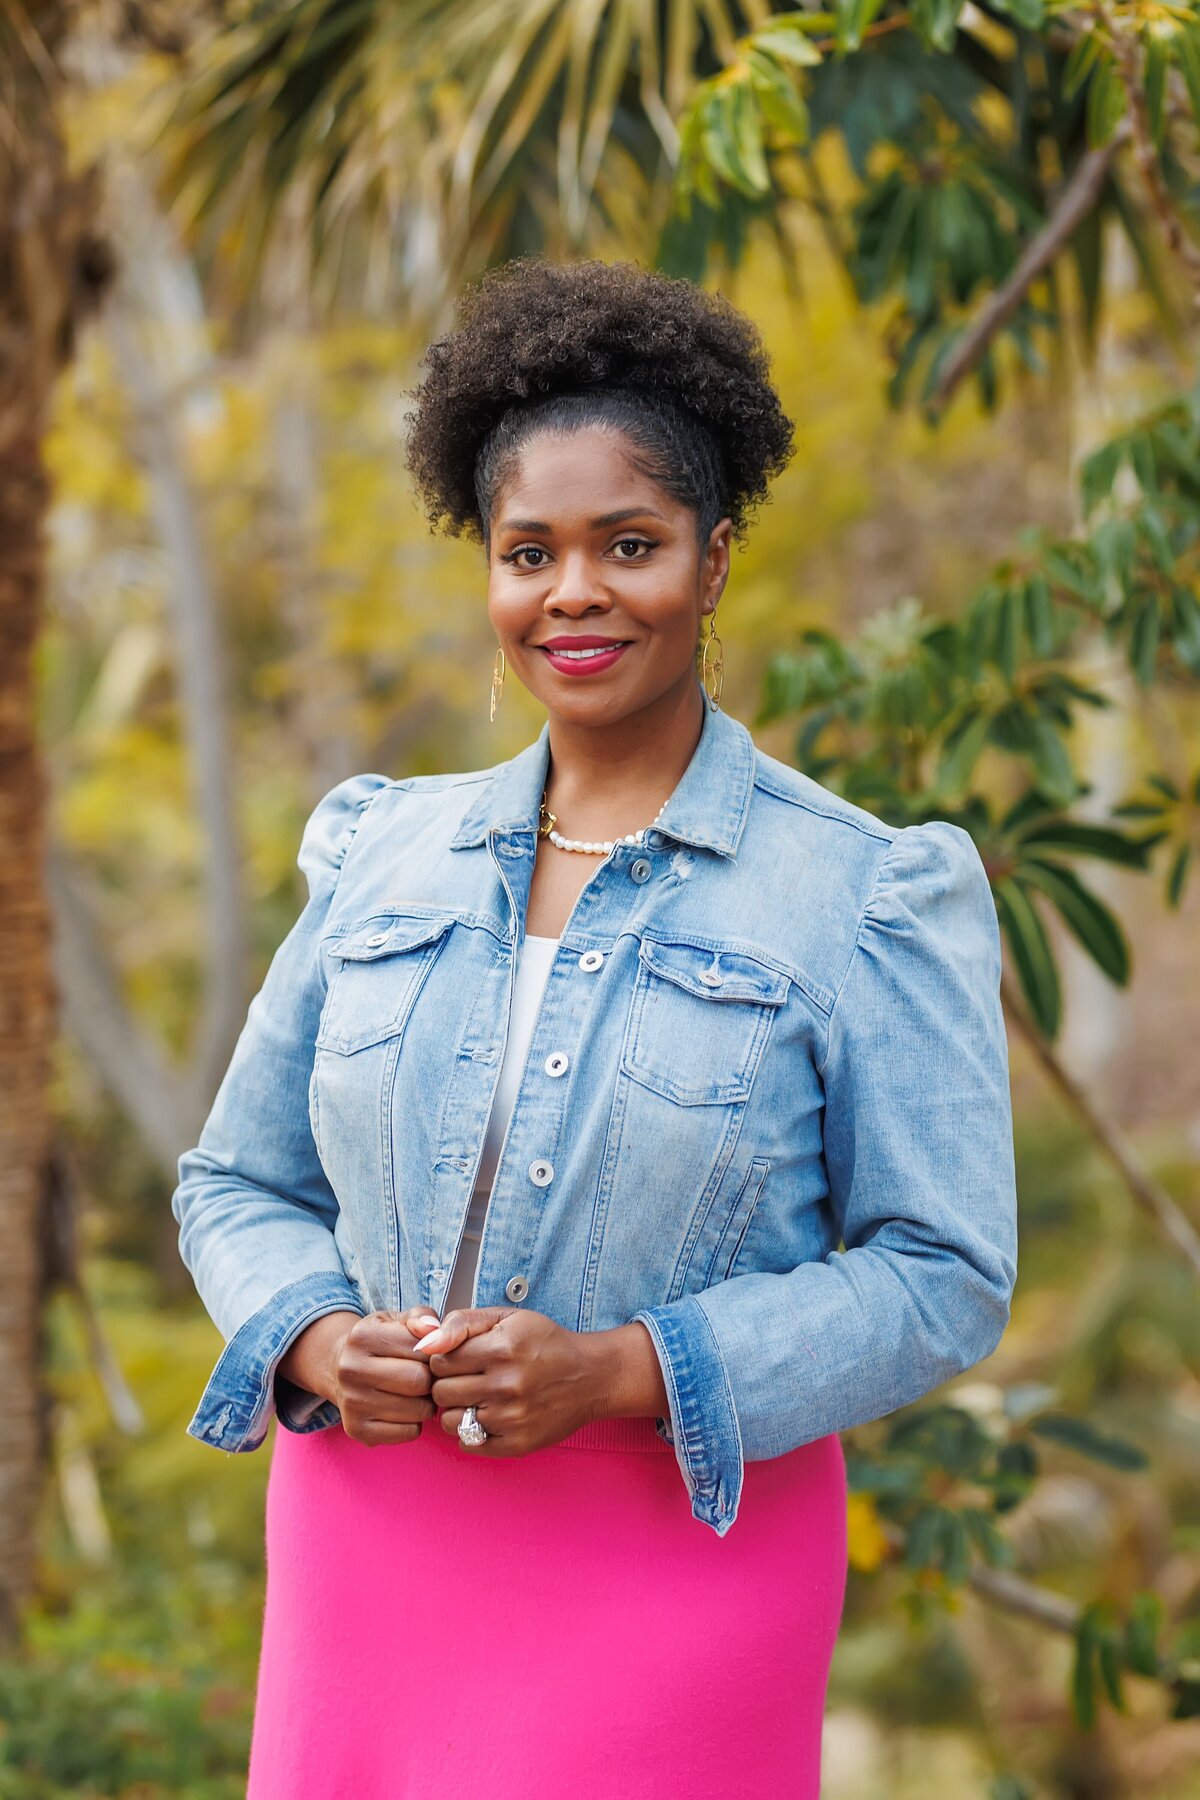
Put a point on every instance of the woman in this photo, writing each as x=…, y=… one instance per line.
x=521, y=1202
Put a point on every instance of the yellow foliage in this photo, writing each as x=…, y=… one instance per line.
x=867, y=1545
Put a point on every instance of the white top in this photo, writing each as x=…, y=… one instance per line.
x=533, y=968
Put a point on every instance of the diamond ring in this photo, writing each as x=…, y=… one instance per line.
x=470, y=1431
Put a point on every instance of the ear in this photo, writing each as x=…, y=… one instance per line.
x=716, y=563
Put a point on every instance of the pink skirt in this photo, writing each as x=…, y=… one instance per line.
x=555, y=1625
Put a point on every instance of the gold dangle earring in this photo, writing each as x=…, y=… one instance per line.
x=712, y=662
x=497, y=680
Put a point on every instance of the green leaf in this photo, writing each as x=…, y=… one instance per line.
x=1155, y=78
x=1139, y=809
x=955, y=1548
x=1051, y=762
x=1152, y=527
x=719, y=138
x=923, y=1537
x=1083, y=1679
x=1086, y=917
x=1105, y=102
x=1185, y=618
x=853, y=19
x=748, y=127
x=1061, y=569
x=996, y=1550
x=1026, y=807
x=1032, y=955
x=1080, y=63
x=789, y=46
x=1099, y=470
x=1146, y=1613
x=1186, y=45
x=779, y=98
x=1080, y=1435
x=1008, y=633
x=1177, y=874
x=1029, y=13
x=1143, y=640
x=1039, y=616
x=1109, y=1653
x=1078, y=837
x=1145, y=463
x=962, y=751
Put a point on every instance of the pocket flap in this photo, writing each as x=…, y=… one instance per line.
x=713, y=974
x=385, y=934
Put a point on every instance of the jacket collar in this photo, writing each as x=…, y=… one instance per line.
x=708, y=808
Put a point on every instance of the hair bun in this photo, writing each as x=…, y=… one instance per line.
x=533, y=330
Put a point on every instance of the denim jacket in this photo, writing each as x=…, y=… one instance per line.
x=765, y=1109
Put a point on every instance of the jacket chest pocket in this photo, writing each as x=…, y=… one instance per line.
x=699, y=1021
x=377, y=968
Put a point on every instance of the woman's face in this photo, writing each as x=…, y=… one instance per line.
x=586, y=552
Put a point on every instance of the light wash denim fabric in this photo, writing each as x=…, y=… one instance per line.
x=771, y=1030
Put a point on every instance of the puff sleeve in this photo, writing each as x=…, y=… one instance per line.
x=918, y=1152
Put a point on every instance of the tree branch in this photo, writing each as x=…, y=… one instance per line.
x=1011, y=1593
x=165, y=1105
x=1077, y=198
x=200, y=673
x=1127, y=51
x=1149, y=1194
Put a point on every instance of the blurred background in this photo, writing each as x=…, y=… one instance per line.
x=968, y=235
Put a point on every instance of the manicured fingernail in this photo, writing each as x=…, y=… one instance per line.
x=426, y=1342
x=429, y=1320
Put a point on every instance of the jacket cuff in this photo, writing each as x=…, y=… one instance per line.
x=241, y=1396
x=704, y=1425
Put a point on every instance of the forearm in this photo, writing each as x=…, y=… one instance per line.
x=627, y=1376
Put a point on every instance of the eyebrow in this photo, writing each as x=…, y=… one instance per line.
x=609, y=518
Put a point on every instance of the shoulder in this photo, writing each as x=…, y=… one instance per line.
x=936, y=850
x=908, y=884
x=357, y=803
x=816, y=809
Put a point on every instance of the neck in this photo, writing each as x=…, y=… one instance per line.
x=603, y=778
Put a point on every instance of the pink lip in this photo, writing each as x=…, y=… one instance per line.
x=591, y=665
x=581, y=640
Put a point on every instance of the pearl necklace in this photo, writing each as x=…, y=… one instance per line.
x=546, y=822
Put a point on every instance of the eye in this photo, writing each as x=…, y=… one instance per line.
x=510, y=556
x=639, y=543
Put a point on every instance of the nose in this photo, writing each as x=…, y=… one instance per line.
x=578, y=588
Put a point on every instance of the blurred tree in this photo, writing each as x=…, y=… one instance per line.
x=990, y=147
x=53, y=269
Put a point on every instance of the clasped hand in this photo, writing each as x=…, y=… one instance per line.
x=531, y=1381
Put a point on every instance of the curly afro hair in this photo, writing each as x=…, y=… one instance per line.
x=681, y=373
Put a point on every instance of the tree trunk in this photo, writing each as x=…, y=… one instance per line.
x=26, y=1010
x=52, y=271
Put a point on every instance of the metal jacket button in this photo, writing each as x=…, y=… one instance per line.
x=591, y=959
x=541, y=1173
x=516, y=1287
x=556, y=1063
x=710, y=978
x=639, y=869
x=380, y=937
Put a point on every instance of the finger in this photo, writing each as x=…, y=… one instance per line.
x=383, y=1334
x=393, y=1409
x=418, y=1320
x=459, y=1391
x=383, y=1431
x=453, y=1419
x=480, y=1355
x=462, y=1323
